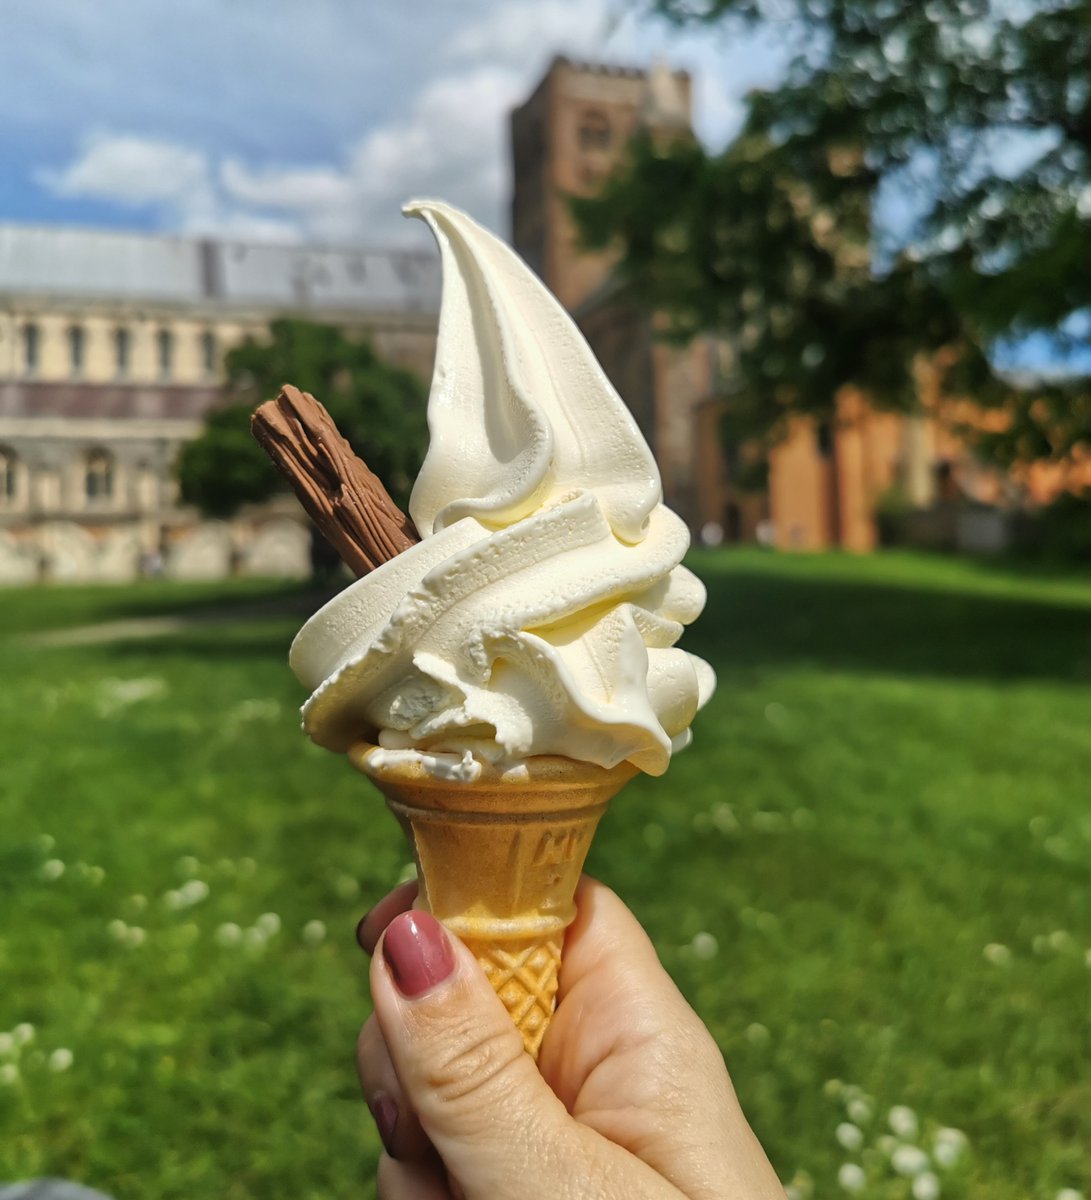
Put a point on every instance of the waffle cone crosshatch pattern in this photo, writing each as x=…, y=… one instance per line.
x=499, y=859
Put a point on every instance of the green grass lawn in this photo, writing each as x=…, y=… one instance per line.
x=870, y=875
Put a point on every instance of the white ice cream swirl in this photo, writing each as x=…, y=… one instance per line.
x=539, y=613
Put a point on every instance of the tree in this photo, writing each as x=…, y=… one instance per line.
x=378, y=407
x=971, y=116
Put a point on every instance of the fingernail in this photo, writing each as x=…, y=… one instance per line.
x=385, y=1112
x=360, y=933
x=417, y=952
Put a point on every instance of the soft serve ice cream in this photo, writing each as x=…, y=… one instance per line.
x=540, y=611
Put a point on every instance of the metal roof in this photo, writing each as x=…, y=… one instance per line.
x=106, y=265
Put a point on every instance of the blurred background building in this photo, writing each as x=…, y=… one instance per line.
x=824, y=485
x=111, y=350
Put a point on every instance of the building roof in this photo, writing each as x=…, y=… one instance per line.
x=105, y=265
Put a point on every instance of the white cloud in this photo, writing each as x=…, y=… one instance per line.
x=451, y=143
x=174, y=180
x=265, y=118
x=130, y=170
x=525, y=35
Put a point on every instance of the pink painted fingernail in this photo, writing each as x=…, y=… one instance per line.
x=418, y=953
x=385, y=1112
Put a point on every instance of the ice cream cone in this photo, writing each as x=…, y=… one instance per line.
x=499, y=857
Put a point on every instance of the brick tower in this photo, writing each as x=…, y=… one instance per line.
x=566, y=138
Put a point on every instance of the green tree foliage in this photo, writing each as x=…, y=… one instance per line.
x=378, y=407
x=975, y=112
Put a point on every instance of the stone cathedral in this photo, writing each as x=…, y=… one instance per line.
x=111, y=347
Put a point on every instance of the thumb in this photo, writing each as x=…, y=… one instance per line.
x=461, y=1064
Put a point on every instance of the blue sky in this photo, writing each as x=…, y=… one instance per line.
x=315, y=120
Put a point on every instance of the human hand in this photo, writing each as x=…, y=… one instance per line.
x=630, y=1099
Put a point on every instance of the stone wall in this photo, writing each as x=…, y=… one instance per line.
x=61, y=551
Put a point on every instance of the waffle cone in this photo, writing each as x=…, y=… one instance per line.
x=499, y=859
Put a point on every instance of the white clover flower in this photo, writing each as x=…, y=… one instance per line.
x=768, y=822
x=723, y=817
x=60, y=1059
x=909, y=1160
x=1057, y=847
x=52, y=869
x=860, y=1109
x=23, y=1033
x=757, y=1034
x=903, y=1120
x=833, y=1088
x=117, y=929
x=849, y=1136
x=137, y=903
x=851, y=1177
x=1087, y=957
x=9, y=1074
x=654, y=836
x=1069, y=1194
x=193, y=891
x=948, y=1146
x=704, y=946
x=269, y=923
x=7, y=1044
x=228, y=934
x=44, y=842
x=314, y=932
x=801, y=1185
x=346, y=887
x=116, y=694
x=255, y=937
x=187, y=866
x=926, y=1187
x=135, y=936
x=886, y=1143
x=255, y=710
x=999, y=955
x=1060, y=940
x=95, y=876
x=246, y=867
x=173, y=900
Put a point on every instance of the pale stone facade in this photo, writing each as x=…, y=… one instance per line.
x=111, y=353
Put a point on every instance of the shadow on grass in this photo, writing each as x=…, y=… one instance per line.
x=263, y=640
x=756, y=619
x=54, y=607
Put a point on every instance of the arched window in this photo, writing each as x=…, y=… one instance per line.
x=123, y=345
x=32, y=340
x=75, y=349
x=208, y=352
x=164, y=344
x=594, y=131
x=9, y=464
x=98, y=479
